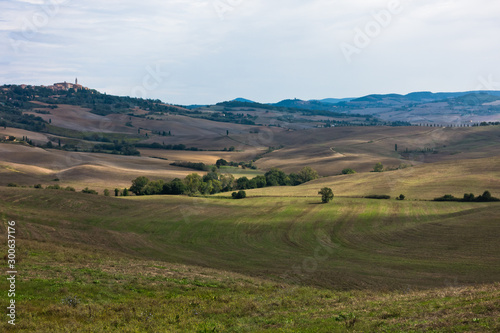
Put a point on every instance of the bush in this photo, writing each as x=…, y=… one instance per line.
x=378, y=167
x=348, y=171
x=53, y=187
x=239, y=195
x=88, y=191
x=469, y=197
x=378, y=196
x=69, y=188
x=38, y=186
x=106, y=193
x=12, y=185
x=401, y=197
x=447, y=197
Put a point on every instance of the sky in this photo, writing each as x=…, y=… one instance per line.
x=208, y=51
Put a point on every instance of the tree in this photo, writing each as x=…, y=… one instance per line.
x=243, y=183
x=485, y=197
x=396, y=147
x=193, y=183
x=227, y=182
x=138, y=185
x=153, y=187
x=276, y=177
x=378, y=167
x=401, y=197
x=260, y=181
x=348, y=171
x=211, y=176
x=221, y=162
x=106, y=193
x=175, y=187
x=469, y=197
x=239, y=195
x=326, y=194
x=125, y=192
x=117, y=192
x=307, y=174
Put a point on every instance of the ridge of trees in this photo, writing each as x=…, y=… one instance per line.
x=214, y=182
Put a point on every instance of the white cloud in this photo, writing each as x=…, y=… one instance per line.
x=263, y=50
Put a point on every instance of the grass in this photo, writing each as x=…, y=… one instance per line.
x=68, y=287
x=177, y=264
x=425, y=181
x=350, y=243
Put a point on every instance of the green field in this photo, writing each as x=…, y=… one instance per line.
x=274, y=264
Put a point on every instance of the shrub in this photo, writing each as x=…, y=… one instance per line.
x=106, y=193
x=69, y=188
x=401, y=197
x=38, y=186
x=378, y=167
x=53, y=187
x=378, y=196
x=239, y=195
x=348, y=171
x=89, y=191
x=12, y=185
x=447, y=197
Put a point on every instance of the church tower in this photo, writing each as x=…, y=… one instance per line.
x=76, y=81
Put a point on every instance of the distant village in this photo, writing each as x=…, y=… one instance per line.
x=62, y=86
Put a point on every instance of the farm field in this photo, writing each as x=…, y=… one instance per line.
x=288, y=263
x=421, y=182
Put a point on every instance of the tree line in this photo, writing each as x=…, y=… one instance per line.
x=215, y=182
x=469, y=197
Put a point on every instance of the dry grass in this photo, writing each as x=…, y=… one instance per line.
x=422, y=182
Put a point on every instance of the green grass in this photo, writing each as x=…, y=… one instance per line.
x=115, y=292
x=261, y=264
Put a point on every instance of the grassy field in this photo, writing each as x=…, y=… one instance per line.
x=422, y=182
x=277, y=261
x=116, y=292
x=273, y=264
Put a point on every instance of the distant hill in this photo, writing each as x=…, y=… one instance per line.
x=309, y=105
x=334, y=100
x=239, y=99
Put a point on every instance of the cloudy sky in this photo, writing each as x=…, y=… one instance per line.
x=206, y=51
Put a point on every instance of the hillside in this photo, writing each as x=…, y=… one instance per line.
x=278, y=260
x=259, y=264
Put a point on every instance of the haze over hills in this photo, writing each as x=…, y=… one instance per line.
x=416, y=108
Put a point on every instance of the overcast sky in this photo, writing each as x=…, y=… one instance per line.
x=207, y=51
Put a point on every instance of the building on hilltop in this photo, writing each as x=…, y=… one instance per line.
x=66, y=86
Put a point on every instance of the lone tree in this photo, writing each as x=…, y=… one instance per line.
x=326, y=194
